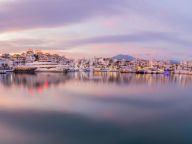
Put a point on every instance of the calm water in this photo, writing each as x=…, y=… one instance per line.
x=99, y=108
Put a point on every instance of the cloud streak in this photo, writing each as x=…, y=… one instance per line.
x=125, y=43
x=28, y=14
x=144, y=37
x=141, y=23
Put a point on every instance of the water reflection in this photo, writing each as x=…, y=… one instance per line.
x=84, y=108
x=46, y=80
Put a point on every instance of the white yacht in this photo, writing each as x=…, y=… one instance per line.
x=186, y=72
x=47, y=66
x=3, y=71
x=5, y=66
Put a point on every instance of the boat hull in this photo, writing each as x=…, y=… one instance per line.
x=3, y=72
x=24, y=70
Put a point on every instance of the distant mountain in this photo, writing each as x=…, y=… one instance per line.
x=123, y=57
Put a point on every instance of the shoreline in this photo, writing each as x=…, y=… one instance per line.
x=57, y=72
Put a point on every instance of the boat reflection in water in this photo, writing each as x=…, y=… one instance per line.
x=84, y=108
x=37, y=80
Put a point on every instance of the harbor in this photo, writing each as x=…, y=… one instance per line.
x=37, y=61
x=95, y=72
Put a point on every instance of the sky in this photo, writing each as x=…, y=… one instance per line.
x=141, y=28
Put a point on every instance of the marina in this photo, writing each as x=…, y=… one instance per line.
x=95, y=72
x=32, y=61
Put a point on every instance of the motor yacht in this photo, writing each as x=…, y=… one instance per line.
x=47, y=66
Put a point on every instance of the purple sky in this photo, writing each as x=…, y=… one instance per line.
x=142, y=28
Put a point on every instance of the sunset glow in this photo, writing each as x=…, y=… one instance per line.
x=137, y=27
